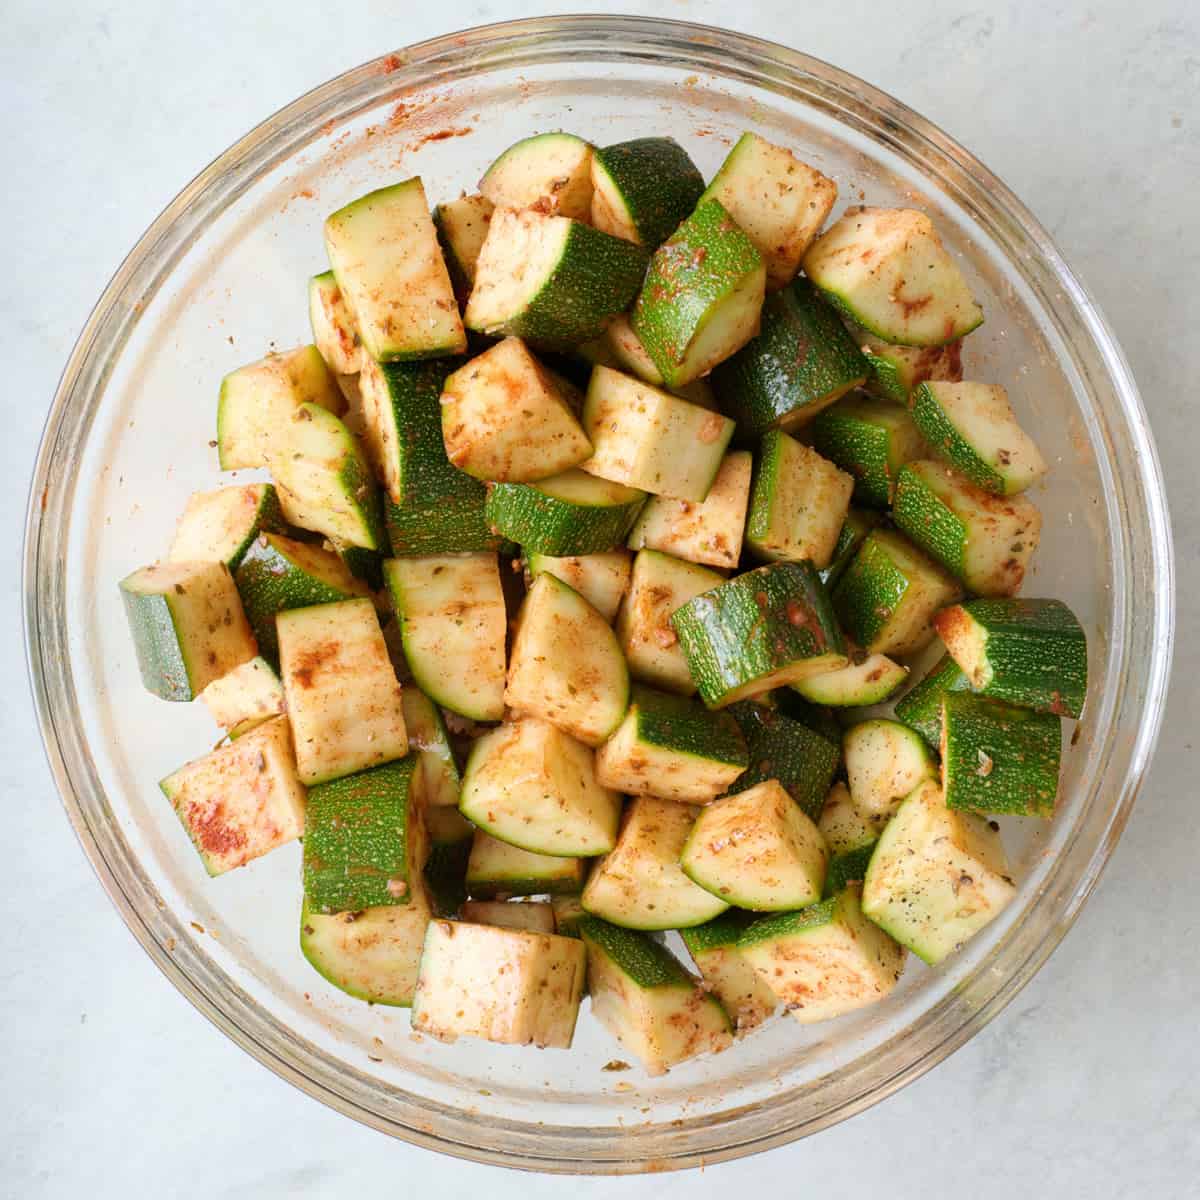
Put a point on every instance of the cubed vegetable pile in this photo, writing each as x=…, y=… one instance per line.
x=602, y=506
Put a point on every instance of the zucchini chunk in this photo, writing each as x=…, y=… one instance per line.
x=847, y=869
x=702, y=296
x=452, y=625
x=335, y=332
x=937, y=876
x=799, y=504
x=659, y=1012
x=256, y=401
x=1028, y=652
x=888, y=594
x=242, y=800
x=568, y=912
x=496, y=868
x=504, y=418
x=621, y=349
x=188, y=626
x=998, y=758
x=801, y=362
x=641, y=885
x=972, y=426
x=826, y=960
x=778, y=200
x=429, y=744
x=536, y=917
x=709, y=532
x=570, y=514
x=566, y=666
x=601, y=579
x=759, y=631
x=921, y=707
x=887, y=270
x=221, y=526
x=451, y=837
x=757, y=850
x=858, y=523
x=851, y=834
x=462, y=226
x=364, y=844
x=674, y=748
x=245, y=697
x=511, y=986
x=343, y=699
x=548, y=172
x=384, y=252
x=531, y=785
x=736, y=984
x=642, y=189
x=871, y=439
x=649, y=439
x=858, y=685
x=279, y=573
x=323, y=479
x=985, y=540
x=885, y=761
x=550, y=279
x=896, y=370
x=659, y=586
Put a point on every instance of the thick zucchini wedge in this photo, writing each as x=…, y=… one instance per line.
x=621, y=349
x=799, y=503
x=364, y=844
x=570, y=514
x=759, y=631
x=496, y=868
x=888, y=594
x=674, y=748
x=511, y=986
x=884, y=762
x=937, y=876
x=972, y=427
x=335, y=332
x=550, y=279
x=221, y=526
x=245, y=697
x=702, y=296
x=566, y=666
x=649, y=439
x=641, y=885
x=998, y=758
x=788, y=750
x=871, y=439
x=451, y=837
x=256, y=401
x=858, y=523
x=529, y=784
x=642, y=189
x=278, y=573
x=1028, y=652
x=549, y=172
x=757, y=850
x=343, y=698
x=921, y=707
x=778, y=200
x=985, y=540
x=504, y=418
x=826, y=960
x=896, y=370
x=709, y=532
x=242, y=800
x=384, y=252
x=860, y=684
x=188, y=626
x=887, y=270
x=742, y=992
x=601, y=579
x=452, y=626
x=429, y=743
x=323, y=479
x=462, y=226
x=533, y=916
x=659, y=1012
x=801, y=362
x=659, y=586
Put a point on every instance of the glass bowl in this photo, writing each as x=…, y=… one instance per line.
x=220, y=277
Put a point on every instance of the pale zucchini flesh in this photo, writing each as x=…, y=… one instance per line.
x=549, y=172
x=885, y=761
x=856, y=685
x=220, y=526
x=246, y=696
x=534, y=916
x=496, y=868
x=335, y=332
x=601, y=579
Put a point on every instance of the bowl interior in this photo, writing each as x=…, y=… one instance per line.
x=221, y=280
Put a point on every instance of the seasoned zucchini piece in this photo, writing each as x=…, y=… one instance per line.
x=851, y=834
x=642, y=189
x=621, y=349
x=462, y=226
x=858, y=523
x=921, y=707
x=858, y=685
x=896, y=370
x=736, y=984
x=221, y=526
x=847, y=869
x=343, y=699
x=365, y=565
x=549, y=172
x=335, y=331
x=242, y=800
x=245, y=697
x=497, y=869
x=430, y=745
x=887, y=270
x=660, y=1013
x=536, y=917
x=601, y=579
x=188, y=626
x=884, y=762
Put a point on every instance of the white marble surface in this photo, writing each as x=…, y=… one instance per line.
x=112, y=1085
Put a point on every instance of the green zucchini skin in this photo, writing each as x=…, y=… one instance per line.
x=848, y=868
x=921, y=707
x=802, y=360
x=546, y=524
x=677, y=723
x=896, y=370
x=858, y=523
x=998, y=758
x=656, y=181
x=871, y=439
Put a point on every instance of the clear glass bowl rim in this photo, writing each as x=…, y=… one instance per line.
x=734, y=1133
